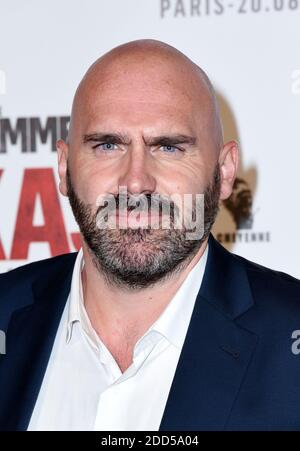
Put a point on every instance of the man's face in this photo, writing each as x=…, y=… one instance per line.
x=148, y=101
x=147, y=127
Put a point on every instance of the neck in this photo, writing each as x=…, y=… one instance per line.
x=119, y=316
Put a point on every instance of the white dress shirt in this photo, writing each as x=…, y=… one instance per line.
x=84, y=388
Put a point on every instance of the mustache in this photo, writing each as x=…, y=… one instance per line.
x=144, y=203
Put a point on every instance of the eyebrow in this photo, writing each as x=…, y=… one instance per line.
x=164, y=140
x=118, y=138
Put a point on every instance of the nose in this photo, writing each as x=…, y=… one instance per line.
x=138, y=172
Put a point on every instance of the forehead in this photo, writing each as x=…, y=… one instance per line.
x=131, y=115
x=142, y=99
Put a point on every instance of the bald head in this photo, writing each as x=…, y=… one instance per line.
x=144, y=118
x=146, y=70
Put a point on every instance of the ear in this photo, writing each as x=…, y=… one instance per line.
x=228, y=162
x=62, y=154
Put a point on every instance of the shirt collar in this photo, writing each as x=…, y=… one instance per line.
x=75, y=295
x=171, y=324
x=175, y=318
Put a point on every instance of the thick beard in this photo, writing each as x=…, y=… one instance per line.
x=138, y=258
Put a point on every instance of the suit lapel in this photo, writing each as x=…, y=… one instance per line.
x=216, y=352
x=211, y=368
x=29, y=342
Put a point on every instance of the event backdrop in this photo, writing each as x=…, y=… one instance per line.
x=249, y=48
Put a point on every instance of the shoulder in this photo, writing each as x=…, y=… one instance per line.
x=240, y=274
x=16, y=285
x=275, y=292
x=269, y=278
x=28, y=273
x=274, y=318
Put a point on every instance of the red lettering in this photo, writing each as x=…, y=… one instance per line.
x=39, y=181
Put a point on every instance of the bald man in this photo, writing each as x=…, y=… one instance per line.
x=152, y=325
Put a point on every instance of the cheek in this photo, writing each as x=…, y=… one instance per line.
x=94, y=178
x=183, y=182
x=90, y=183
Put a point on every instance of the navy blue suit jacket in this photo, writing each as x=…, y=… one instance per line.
x=236, y=370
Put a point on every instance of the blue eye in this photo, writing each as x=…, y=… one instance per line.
x=106, y=146
x=170, y=149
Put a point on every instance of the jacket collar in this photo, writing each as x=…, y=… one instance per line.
x=216, y=352
x=29, y=340
x=213, y=360
x=225, y=283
